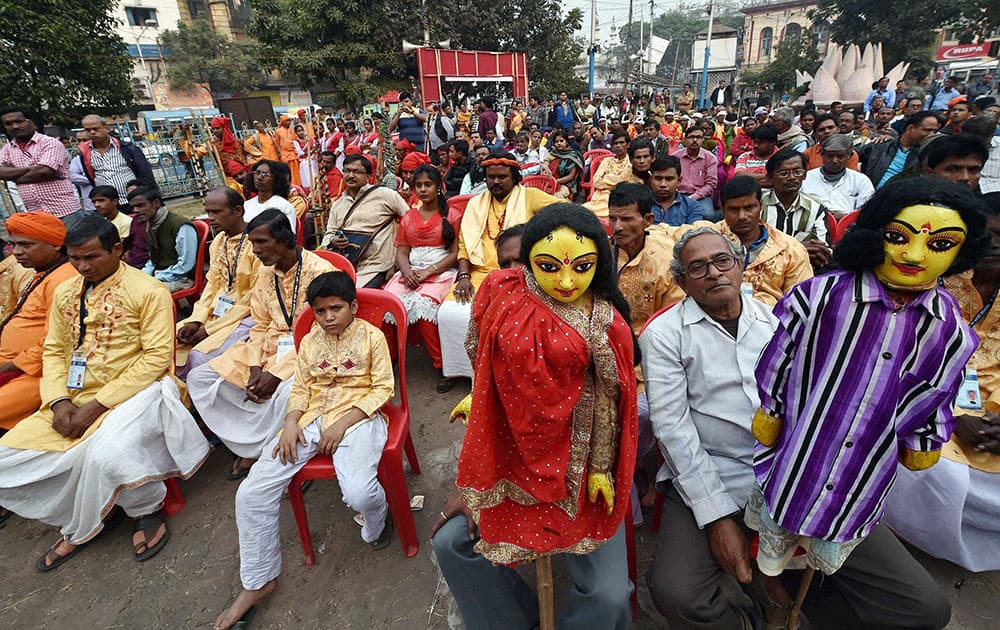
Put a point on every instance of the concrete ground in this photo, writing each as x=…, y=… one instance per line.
x=351, y=586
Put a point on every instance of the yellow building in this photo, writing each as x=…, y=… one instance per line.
x=766, y=24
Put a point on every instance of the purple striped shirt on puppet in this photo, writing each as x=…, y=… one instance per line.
x=878, y=378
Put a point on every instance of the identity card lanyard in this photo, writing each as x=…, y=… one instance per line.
x=289, y=317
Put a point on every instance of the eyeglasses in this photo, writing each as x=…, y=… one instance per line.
x=355, y=171
x=795, y=172
x=722, y=262
x=263, y=174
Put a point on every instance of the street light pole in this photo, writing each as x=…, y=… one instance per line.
x=708, y=48
x=593, y=47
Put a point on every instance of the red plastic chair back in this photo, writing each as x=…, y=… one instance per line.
x=845, y=223
x=596, y=153
x=458, y=203
x=338, y=261
x=593, y=169
x=373, y=304
x=543, y=183
x=300, y=232
x=831, y=227
x=655, y=315
x=194, y=291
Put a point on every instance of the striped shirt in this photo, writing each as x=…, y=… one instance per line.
x=805, y=219
x=111, y=169
x=55, y=196
x=854, y=377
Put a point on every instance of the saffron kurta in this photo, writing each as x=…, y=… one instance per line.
x=333, y=374
x=610, y=172
x=780, y=265
x=21, y=342
x=128, y=344
x=553, y=399
x=13, y=277
x=231, y=270
x=269, y=322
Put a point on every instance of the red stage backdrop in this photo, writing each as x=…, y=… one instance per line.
x=435, y=64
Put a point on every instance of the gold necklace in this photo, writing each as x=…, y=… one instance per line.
x=501, y=220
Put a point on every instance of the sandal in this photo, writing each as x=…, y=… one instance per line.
x=445, y=384
x=51, y=560
x=237, y=472
x=149, y=526
x=245, y=620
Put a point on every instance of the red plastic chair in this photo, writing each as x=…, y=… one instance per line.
x=458, y=203
x=300, y=232
x=543, y=183
x=589, y=184
x=831, y=227
x=596, y=153
x=194, y=291
x=529, y=165
x=338, y=261
x=660, y=497
x=373, y=304
x=174, y=501
x=845, y=223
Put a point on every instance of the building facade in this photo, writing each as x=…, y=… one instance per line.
x=766, y=24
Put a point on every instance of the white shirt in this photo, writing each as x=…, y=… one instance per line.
x=845, y=195
x=702, y=396
x=989, y=179
x=253, y=207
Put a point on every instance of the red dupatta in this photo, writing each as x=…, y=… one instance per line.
x=545, y=375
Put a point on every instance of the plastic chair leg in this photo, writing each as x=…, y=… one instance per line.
x=411, y=455
x=390, y=475
x=632, y=570
x=301, y=520
x=174, y=501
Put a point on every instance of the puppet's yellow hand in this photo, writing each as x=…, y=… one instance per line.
x=599, y=483
x=766, y=428
x=462, y=410
x=918, y=460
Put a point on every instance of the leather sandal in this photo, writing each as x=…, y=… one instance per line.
x=149, y=526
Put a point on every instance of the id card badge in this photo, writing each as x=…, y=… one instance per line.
x=222, y=305
x=968, y=394
x=77, y=371
x=286, y=343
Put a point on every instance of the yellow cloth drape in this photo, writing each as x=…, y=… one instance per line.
x=13, y=277
x=782, y=264
x=611, y=172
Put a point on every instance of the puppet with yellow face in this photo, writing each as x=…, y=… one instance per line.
x=549, y=452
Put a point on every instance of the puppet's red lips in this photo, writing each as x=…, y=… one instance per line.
x=910, y=270
x=566, y=293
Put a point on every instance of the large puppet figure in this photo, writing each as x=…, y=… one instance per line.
x=550, y=450
x=861, y=374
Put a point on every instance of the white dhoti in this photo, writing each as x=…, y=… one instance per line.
x=453, y=326
x=951, y=511
x=242, y=425
x=148, y=438
x=258, y=499
x=196, y=358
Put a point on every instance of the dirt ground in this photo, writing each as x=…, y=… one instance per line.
x=351, y=586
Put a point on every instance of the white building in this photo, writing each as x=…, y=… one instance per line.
x=140, y=23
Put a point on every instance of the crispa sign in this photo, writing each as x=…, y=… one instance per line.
x=964, y=51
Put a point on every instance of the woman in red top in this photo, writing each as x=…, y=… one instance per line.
x=426, y=255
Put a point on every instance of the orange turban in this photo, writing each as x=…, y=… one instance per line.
x=413, y=160
x=40, y=226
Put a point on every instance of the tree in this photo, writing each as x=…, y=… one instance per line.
x=905, y=29
x=64, y=59
x=200, y=56
x=796, y=53
x=536, y=27
x=353, y=44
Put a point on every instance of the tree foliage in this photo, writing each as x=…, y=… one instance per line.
x=199, y=55
x=791, y=54
x=906, y=29
x=64, y=59
x=353, y=44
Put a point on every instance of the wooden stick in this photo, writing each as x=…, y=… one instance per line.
x=793, y=616
x=546, y=604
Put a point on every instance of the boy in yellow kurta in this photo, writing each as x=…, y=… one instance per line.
x=343, y=376
x=242, y=394
x=220, y=317
x=111, y=426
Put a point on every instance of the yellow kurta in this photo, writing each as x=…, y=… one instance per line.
x=13, y=277
x=377, y=214
x=220, y=281
x=611, y=172
x=269, y=322
x=780, y=265
x=128, y=344
x=485, y=218
x=333, y=374
x=646, y=280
